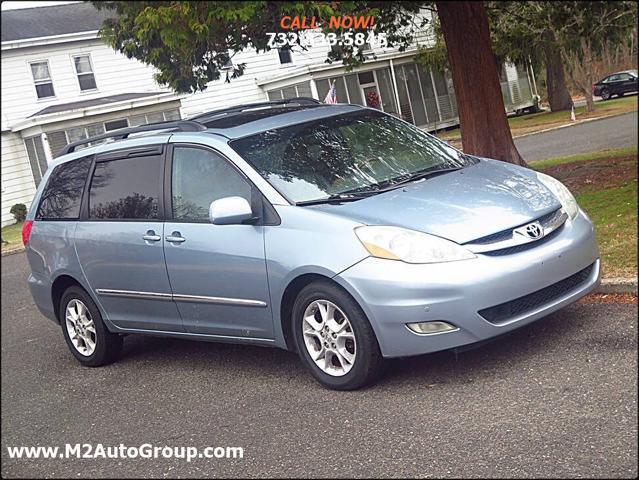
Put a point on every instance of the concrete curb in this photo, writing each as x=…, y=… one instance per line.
x=618, y=285
x=13, y=251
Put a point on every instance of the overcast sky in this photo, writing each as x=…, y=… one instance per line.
x=12, y=5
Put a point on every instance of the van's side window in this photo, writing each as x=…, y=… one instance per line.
x=62, y=196
x=126, y=189
x=199, y=177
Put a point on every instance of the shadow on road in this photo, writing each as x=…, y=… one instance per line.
x=447, y=367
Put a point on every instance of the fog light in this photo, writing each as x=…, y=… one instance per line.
x=428, y=328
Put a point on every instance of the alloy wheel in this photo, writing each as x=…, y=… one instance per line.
x=329, y=338
x=80, y=327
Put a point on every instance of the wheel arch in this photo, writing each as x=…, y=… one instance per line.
x=295, y=286
x=291, y=291
x=59, y=286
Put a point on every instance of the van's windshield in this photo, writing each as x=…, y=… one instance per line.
x=363, y=151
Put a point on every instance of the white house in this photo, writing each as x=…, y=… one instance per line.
x=61, y=83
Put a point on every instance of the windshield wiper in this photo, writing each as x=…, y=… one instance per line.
x=365, y=192
x=336, y=198
x=394, y=183
x=416, y=176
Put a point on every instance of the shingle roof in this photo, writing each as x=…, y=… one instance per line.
x=25, y=23
x=63, y=107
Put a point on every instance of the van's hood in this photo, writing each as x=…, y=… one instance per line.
x=463, y=205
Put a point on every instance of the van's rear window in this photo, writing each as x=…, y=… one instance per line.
x=62, y=196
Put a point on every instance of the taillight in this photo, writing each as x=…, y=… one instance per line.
x=26, y=231
x=593, y=88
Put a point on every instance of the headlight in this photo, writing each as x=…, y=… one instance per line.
x=409, y=246
x=561, y=192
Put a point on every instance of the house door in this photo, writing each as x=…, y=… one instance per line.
x=370, y=90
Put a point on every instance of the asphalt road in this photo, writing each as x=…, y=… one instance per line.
x=614, y=132
x=555, y=399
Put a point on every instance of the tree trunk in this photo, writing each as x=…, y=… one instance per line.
x=558, y=94
x=482, y=114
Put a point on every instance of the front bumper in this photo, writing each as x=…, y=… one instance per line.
x=394, y=293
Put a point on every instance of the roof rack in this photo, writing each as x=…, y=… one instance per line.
x=179, y=125
x=250, y=106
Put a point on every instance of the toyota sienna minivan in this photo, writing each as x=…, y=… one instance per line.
x=336, y=231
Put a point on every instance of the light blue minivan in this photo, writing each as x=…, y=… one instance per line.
x=337, y=231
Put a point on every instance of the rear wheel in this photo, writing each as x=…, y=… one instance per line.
x=605, y=94
x=334, y=338
x=84, y=331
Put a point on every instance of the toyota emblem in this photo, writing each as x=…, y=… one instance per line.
x=533, y=231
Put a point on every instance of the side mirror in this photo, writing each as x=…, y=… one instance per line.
x=230, y=211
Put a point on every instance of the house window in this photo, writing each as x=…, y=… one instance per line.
x=116, y=124
x=297, y=90
x=84, y=69
x=171, y=115
x=42, y=79
x=37, y=158
x=154, y=117
x=82, y=133
x=285, y=55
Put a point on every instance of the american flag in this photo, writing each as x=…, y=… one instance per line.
x=331, y=96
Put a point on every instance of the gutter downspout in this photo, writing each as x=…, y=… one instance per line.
x=314, y=93
x=392, y=68
x=46, y=147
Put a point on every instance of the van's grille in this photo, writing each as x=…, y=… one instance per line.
x=544, y=220
x=523, y=246
x=513, y=308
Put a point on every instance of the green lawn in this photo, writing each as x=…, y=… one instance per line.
x=13, y=235
x=613, y=209
x=583, y=157
x=539, y=121
x=614, y=213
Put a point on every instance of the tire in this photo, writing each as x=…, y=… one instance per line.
x=355, y=337
x=107, y=346
x=605, y=94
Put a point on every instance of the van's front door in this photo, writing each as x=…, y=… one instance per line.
x=217, y=272
x=119, y=240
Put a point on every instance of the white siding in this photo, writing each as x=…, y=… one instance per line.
x=17, y=180
x=114, y=74
x=220, y=94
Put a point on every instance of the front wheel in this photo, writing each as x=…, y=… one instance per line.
x=334, y=338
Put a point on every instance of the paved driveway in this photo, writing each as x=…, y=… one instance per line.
x=614, y=132
x=555, y=399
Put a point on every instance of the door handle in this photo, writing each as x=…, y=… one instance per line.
x=175, y=237
x=151, y=236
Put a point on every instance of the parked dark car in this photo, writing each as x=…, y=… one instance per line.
x=616, y=84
